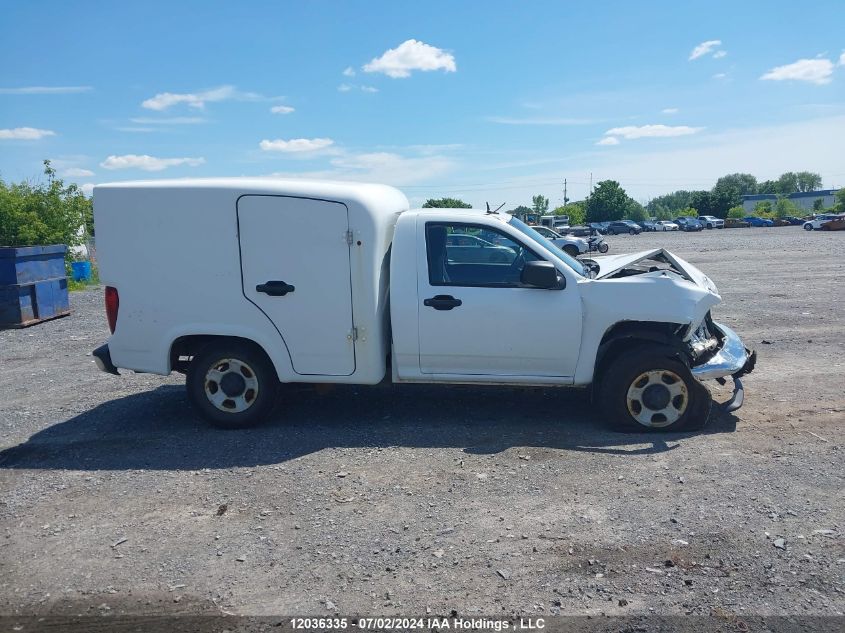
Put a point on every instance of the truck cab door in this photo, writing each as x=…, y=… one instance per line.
x=476, y=318
x=295, y=269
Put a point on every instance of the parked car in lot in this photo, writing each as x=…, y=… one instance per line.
x=623, y=226
x=736, y=223
x=573, y=246
x=836, y=224
x=647, y=226
x=689, y=224
x=793, y=221
x=327, y=282
x=576, y=231
x=711, y=222
x=463, y=247
x=599, y=227
x=816, y=223
x=753, y=220
x=666, y=225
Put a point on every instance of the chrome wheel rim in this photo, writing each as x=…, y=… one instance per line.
x=231, y=385
x=657, y=398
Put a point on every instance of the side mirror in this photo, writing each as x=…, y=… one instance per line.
x=543, y=275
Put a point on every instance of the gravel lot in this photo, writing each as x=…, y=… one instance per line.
x=395, y=500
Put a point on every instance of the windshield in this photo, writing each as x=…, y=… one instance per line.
x=573, y=263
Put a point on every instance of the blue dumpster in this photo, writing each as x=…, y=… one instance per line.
x=33, y=284
x=81, y=271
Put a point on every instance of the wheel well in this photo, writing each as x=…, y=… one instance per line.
x=184, y=348
x=625, y=335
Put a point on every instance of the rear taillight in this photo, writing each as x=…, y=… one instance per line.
x=112, y=305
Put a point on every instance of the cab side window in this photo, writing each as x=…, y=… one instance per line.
x=470, y=255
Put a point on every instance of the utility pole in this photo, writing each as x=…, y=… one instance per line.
x=591, y=182
x=564, y=193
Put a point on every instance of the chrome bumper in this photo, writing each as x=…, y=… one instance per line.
x=731, y=359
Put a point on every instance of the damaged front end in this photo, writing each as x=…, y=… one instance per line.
x=713, y=350
x=718, y=353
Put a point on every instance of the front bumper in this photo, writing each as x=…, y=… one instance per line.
x=734, y=360
x=103, y=359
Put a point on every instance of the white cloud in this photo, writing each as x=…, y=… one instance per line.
x=704, y=48
x=44, y=90
x=652, y=131
x=148, y=163
x=720, y=76
x=176, y=120
x=370, y=89
x=133, y=128
x=719, y=54
x=669, y=110
x=349, y=72
x=539, y=120
x=842, y=59
x=296, y=145
x=77, y=172
x=608, y=140
x=282, y=109
x=165, y=100
x=87, y=188
x=344, y=88
x=411, y=55
x=384, y=167
x=816, y=71
x=25, y=133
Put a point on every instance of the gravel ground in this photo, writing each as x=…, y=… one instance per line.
x=395, y=500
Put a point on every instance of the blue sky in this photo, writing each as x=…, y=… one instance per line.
x=492, y=101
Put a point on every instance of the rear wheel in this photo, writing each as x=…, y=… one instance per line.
x=649, y=389
x=232, y=385
x=808, y=227
x=603, y=247
x=571, y=250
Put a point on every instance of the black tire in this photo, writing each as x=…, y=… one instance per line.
x=571, y=250
x=808, y=227
x=663, y=369
x=603, y=248
x=253, y=386
x=632, y=232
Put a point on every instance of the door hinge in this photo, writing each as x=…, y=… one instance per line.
x=349, y=237
x=353, y=334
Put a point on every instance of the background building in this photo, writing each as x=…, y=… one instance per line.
x=803, y=199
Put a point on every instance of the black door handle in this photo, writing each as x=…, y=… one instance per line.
x=275, y=288
x=442, y=302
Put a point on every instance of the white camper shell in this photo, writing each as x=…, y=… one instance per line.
x=244, y=283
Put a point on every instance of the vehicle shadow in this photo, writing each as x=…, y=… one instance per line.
x=156, y=430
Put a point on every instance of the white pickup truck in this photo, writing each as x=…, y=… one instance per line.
x=246, y=283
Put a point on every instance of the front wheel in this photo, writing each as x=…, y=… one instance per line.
x=232, y=385
x=649, y=389
x=603, y=248
x=571, y=250
x=808, y=227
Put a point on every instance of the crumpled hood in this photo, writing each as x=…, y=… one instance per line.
x=609, y=264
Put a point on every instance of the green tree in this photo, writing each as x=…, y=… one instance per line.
x=763, y=207
x=43, y=213
x=784, y=207
x=540, y=204
x=445, y=203
x=607, y=202
x=769, y=186
x=576, y=212
x=522, y=212
x=669, y=204
x=702, y=203
x=736, y=212
x=635, y=211
x=808, y=181
x=744, y=184
x=818, y=204
x=840, y=201
x=787, y=183
x=689, y=212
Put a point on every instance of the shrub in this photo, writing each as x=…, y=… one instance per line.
x=736, y=212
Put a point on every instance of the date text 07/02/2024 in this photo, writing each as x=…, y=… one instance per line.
x=409, y=624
